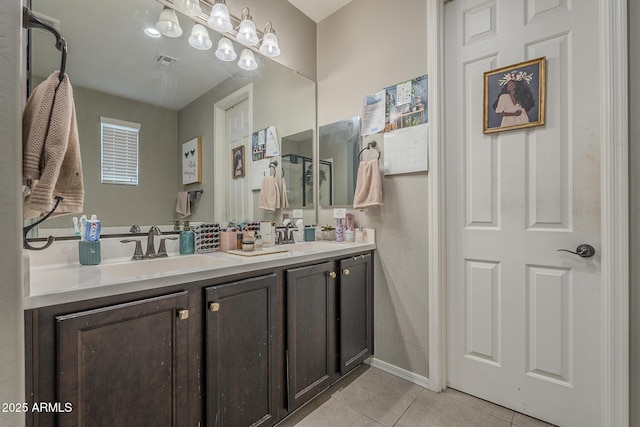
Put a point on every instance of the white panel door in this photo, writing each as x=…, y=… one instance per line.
x=523, y=318
x=238, y=132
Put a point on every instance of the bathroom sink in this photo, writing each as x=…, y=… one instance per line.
x=308, y=247
x=155, y=266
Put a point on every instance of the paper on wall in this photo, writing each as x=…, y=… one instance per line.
x=373, y=113
x=273, y=147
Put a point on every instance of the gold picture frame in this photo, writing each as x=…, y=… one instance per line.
x=238, y=164
x=514, y=96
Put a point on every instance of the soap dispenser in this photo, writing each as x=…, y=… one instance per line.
x=187, y=241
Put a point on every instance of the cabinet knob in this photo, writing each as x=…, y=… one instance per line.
x=183, y=314
x=214, y=306
x=345, y=271
x=332, y=274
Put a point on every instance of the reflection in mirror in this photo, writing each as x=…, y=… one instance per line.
x=297, y=168
x=167, y=87
x=338, y=147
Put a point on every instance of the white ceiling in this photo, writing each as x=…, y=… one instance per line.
x=319, y=9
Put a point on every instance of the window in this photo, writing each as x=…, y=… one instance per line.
x=119, y=160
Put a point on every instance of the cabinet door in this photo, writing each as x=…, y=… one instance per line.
x=124, y=365
x=356, y=311
x=311, y=322
x=240, y=353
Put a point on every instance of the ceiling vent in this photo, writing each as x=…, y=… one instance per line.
x=52, y=22
x=167, y=60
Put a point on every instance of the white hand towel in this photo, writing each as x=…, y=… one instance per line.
x=368, y=185
x=183, y=206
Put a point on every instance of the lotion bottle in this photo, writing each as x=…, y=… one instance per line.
x=339, y=230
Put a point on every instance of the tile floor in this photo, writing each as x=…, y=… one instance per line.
x=369, y=397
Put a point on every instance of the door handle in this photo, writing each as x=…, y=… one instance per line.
x=583, y=250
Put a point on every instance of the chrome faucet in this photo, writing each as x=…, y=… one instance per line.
x=151, y=249
x=285, y=236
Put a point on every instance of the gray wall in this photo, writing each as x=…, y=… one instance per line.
x=634, y=185
x=360, y=53
x=12, y=89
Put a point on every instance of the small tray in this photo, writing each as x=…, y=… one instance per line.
x=265, y=251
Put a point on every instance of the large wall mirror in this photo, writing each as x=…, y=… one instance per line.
x=167, y=87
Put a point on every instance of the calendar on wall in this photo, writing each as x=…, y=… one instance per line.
x=405, y=150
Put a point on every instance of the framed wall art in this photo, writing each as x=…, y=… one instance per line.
x=192, y=161
x=237, y=162
x=514, y=96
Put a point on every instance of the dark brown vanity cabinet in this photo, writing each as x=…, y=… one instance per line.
x=356, y=311
x=124, y=365
x=241, y=362
x=235, y=351
x=311, y=331
x=329, y=323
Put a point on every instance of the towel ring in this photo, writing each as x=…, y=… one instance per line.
x=371, y=145
x=272, y=166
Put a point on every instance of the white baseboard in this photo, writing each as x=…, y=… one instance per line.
x=399, y=372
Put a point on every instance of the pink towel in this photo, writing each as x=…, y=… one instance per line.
x=269, y=194
x=368, y=185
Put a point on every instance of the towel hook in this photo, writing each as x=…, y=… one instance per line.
x=28, y=228
x=371, y=145
x=29, y=20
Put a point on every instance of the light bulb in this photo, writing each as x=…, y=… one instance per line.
x=219, y=19
x=247, y=60
x=199, y=38
x=225, y=50
x=168, y=23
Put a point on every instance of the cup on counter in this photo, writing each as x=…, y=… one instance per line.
x=309, y=234
x=89, y=252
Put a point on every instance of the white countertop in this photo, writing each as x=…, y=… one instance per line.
x=57, y=282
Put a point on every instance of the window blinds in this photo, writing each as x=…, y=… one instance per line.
x=119, y=159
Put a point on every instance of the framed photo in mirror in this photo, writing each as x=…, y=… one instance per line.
x=237, y=162
x=192, y=161
x=514, y=96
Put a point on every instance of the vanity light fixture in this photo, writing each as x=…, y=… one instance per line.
x=225, y=51
x=199, y=38
x=247, y=60
x=269, y=46
x=191, y=7
x=168, y=24
x=220, y=20
x=247, y=34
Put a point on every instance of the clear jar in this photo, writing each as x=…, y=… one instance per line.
x=247, y=245
x=257, y=244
